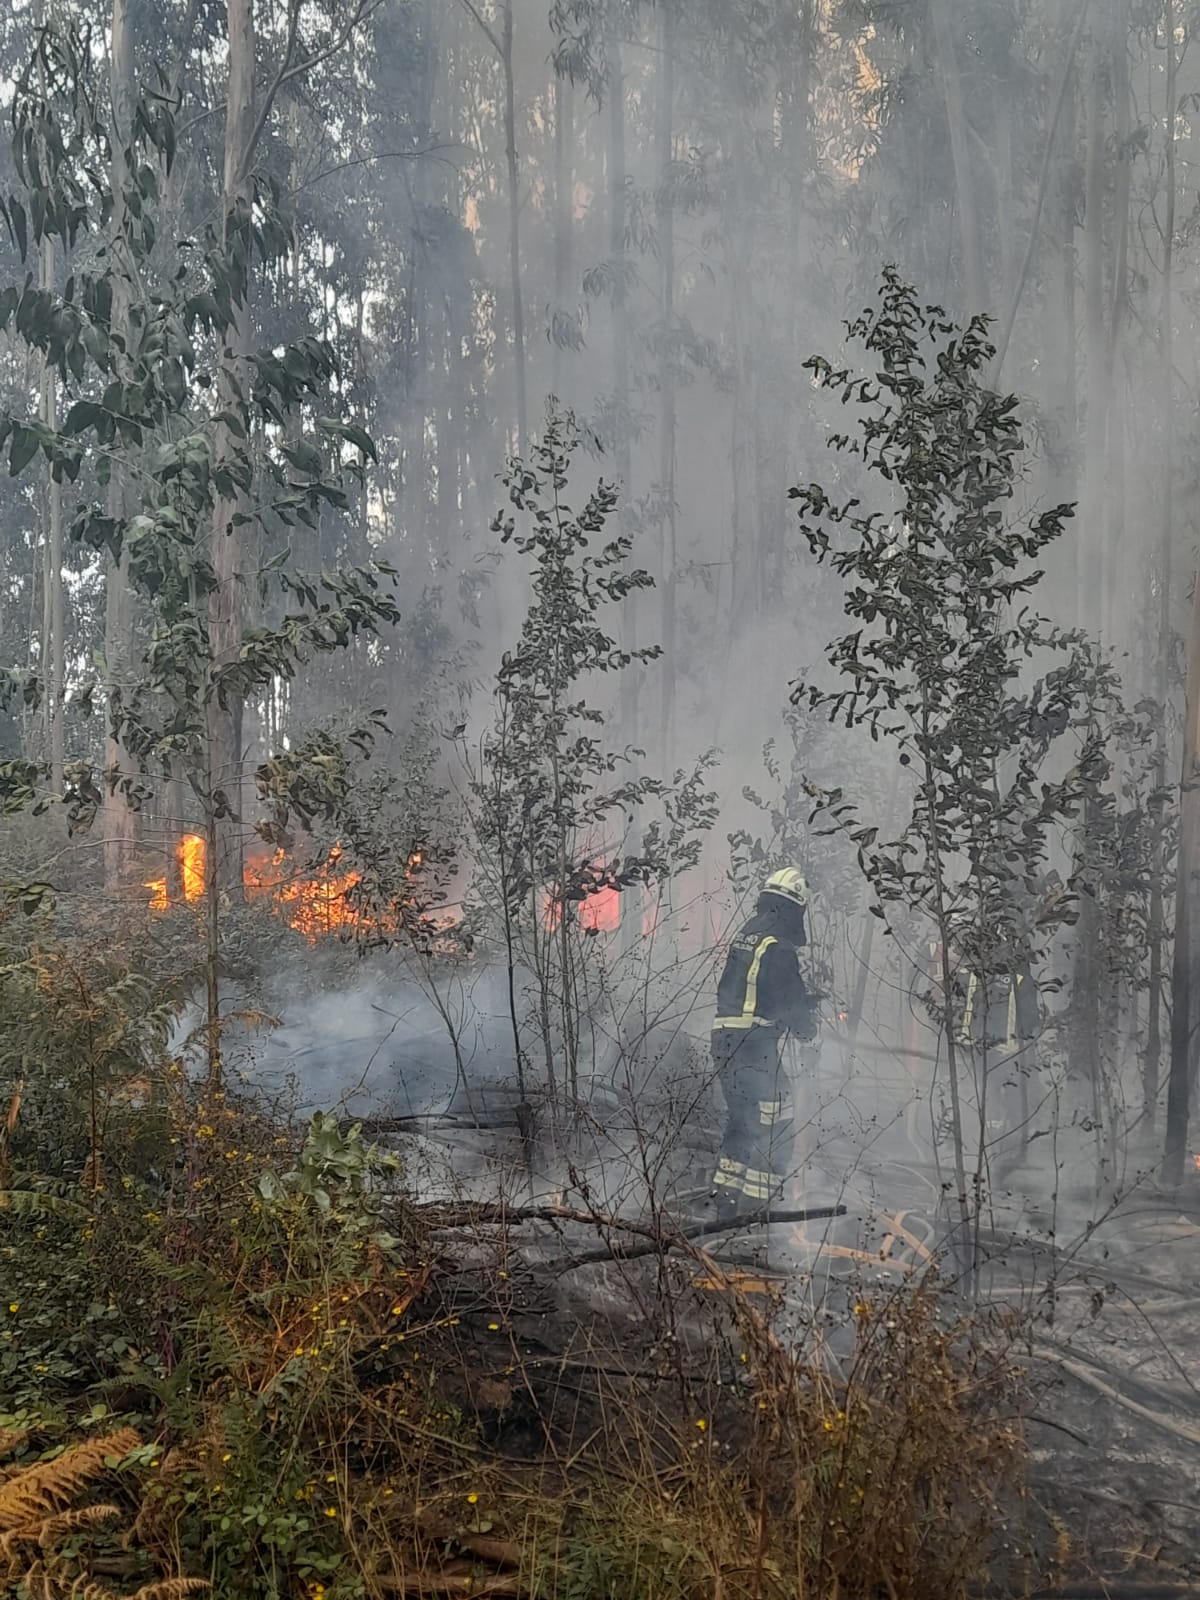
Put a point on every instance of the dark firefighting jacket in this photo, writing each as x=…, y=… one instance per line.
x=1006, y=1017
x=761, y=987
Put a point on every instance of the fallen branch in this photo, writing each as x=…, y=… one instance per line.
x=1102, y=1589
x=492, y=1215
x=454, y=1583
x=484, y=1546
x=1087, y=1376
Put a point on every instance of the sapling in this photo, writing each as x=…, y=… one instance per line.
x=938, y=662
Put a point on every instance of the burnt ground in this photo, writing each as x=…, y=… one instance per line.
x=1105, y=1316
x=1100, y=1295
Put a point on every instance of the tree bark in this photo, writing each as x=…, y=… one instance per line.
x=668, y=558
x=964, y=183
x=119, y=820
x=53, y=644
x=1089, y=593
x=223, y=797
x=622, y=445
x=1178, y=1083
x=514, y=226
x=564, y=213
x=1115, y=500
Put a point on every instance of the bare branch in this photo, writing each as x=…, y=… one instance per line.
x=488, y=30
x=289, y=68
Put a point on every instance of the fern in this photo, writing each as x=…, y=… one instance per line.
x=55, y=1528
x=47, y=1488
x=172, y=1589
x=31, y=1205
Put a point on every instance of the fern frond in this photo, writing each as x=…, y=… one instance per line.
x=39, y=1585
x=85, y=1588
x=29, y=1205
x=171, y=1589
x=48, y=1487
x=57, y=1527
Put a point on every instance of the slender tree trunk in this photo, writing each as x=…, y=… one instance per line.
x=1060, y=297
x=622, y=444
x=964, y=183
x=1090, y=591
x=564, y=213
x=119, y=820
x=229, y=510
x=668, y=559
x=514, y=226
x=1115, y=500
x=53, y=643
x=1179, y=1079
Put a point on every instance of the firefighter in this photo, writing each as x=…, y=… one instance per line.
x=761, y=996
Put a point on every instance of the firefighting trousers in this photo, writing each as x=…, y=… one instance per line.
x=756, y=1149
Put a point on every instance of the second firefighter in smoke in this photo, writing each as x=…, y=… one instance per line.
x=761, y=997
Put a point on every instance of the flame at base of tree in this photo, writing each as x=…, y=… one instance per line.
x=327, y=900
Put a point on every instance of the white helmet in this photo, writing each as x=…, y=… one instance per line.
x=788, y=884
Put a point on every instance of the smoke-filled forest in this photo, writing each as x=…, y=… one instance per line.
x=599, y=742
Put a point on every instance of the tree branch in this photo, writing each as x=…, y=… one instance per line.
x=486, y=26
x=382, y=155
x=289, y=69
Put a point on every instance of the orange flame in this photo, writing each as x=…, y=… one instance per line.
x=191, y=853
x=315, y=904
x=596, y=913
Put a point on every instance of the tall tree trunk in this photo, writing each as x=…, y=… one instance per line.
x=1060, y=297
x=514, y=225
x=668, y=559
x=1090, y=591
x=119, y=819
x=1178, y=1083
x=964, y=183
x=224, y=782
x=1115, y=501
x=53, y=643
x=622, y=444
x=564, y=213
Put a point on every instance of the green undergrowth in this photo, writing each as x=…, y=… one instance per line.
x=327, y=1407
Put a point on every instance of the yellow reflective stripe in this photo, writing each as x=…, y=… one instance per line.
x=771, y=1112
x=750, y=1004
x=741, y=1022
x=756, y=1185
x=729, y=1173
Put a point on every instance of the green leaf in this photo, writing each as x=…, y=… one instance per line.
x=232, y=421
x=83, y=414
x=359, y=437
x=24, y=447
x=18, y=226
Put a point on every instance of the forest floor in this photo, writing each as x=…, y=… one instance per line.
x=493, y=1371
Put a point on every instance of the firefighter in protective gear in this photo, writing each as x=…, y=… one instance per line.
x=761, y=996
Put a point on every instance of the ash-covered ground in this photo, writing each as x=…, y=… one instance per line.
x=1102, y=1287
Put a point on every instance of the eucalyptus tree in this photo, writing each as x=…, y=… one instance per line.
x=141, y=367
